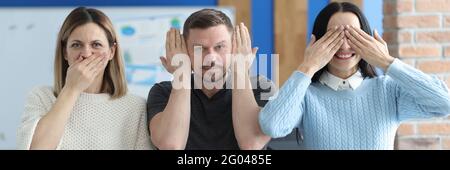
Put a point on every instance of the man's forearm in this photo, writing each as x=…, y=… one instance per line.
x=245, y=116
x=170, y=128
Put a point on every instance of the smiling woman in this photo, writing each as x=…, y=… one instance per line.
x=336, y=99
x=88, y=107
x=344, y=61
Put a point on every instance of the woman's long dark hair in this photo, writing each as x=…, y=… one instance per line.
x=320, y=28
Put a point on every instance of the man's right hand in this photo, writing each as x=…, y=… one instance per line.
x=175, y=44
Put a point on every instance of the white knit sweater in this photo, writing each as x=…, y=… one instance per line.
x=96, y=122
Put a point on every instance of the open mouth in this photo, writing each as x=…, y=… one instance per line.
x=344, y=56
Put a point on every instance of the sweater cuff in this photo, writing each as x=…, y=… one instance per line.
x=395, y=67
x=295, y=83
x=299, y=76
x=298, y=82
x=402, y=72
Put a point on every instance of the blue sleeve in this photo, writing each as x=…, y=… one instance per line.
x=284, y=111
x=418, y=94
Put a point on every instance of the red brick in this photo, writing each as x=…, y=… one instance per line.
x=406, y=129
x=404, y=37
x=420, y=21
x=400, y=6
x=435, y=37
x=410, y=62
x=422, y=143
x=389, y=8
x=435, y=66
x=404, y=6
x=393, y=50
x=447, y=82
x=397, y=37
x=389, y=22
x=419, y=51
x=447, y=21
x=446, y=143
x=434, y=128
x=433, y=6
x=390, y=36
x=447, y=51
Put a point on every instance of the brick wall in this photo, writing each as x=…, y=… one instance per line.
x=418, y=32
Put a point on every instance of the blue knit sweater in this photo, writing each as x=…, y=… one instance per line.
x=364, y=118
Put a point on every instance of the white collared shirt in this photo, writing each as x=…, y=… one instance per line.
x=337, y=83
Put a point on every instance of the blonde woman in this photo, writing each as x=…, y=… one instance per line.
x=88, y=106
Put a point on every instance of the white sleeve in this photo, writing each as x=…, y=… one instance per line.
x=143, y=137
x=37, y=105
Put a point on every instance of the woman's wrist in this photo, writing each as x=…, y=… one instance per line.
x=307, y=69
x=72, y=91
x=387, y=62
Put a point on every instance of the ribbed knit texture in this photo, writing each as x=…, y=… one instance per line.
x=364, y=118
x=96, y=121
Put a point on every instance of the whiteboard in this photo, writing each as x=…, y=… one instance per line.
x=28, y=41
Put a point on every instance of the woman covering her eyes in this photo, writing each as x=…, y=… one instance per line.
x=336, y=99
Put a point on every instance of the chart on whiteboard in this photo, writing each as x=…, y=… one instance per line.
x=142, y=45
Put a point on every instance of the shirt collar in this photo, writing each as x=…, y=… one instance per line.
x=337, y=83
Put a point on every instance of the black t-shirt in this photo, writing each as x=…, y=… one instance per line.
x=211, y=125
